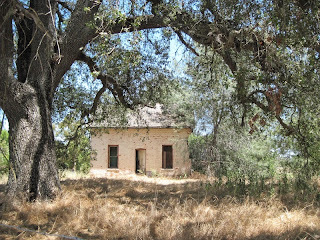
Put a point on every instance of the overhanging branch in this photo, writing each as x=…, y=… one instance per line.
x=107, y=81
x=78, y=33
x=185, y=43
x=290, y=130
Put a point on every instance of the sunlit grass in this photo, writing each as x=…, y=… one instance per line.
x=117, y=208
x=68, y=174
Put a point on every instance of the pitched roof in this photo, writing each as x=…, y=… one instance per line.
x=151, y=118
x=145, y=117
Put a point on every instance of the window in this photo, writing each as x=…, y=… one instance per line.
x=113, y=156
x=167, y=161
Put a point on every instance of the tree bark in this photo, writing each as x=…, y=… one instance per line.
x=33, y=172
x=27, y=99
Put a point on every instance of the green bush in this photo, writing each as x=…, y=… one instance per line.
x=251, y=165
x=4, y=152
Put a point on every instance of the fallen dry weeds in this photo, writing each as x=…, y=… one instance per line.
x=133, y=209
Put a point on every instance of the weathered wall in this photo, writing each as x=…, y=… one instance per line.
x=150, y=139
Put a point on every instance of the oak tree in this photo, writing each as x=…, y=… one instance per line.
x=39, y=41
x=260, y=42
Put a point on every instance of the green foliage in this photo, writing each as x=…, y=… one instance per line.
x=213, y=92
x=72, y=147
x=133, y=62
x=240, y=144
x=178, y=104
x=279, y=84
x=237, y=91
x=251, y=165
x=274, y=82
x=4, y=152
x=234, y=154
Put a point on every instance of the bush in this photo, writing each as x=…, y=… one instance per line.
x=75, y=153
x=4, y=152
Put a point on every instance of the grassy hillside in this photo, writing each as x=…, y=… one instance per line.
x=154, y=208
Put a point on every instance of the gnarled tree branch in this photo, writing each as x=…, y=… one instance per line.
x=186, y=44
x=78, y=33
x=107, y=81
x=290, y=130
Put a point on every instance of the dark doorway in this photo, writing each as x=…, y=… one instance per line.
x=140, y=160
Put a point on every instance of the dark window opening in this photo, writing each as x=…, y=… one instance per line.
x=167, y=161
x=113, y=156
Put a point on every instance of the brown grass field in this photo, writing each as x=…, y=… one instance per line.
x=155, y=208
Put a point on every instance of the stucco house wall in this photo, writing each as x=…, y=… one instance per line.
x=151, y=140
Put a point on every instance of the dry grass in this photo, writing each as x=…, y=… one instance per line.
x=142, y=208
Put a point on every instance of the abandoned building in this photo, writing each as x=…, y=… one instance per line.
x=151, y=143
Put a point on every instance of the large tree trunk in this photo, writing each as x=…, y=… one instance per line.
x=33, y=171
x=27, y=99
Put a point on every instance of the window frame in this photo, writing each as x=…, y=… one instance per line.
x=164, y=165
x=109, y=146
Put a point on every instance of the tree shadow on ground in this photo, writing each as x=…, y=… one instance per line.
x=188, y=233
x=141, y=193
